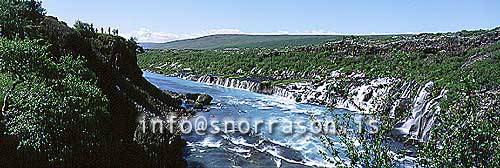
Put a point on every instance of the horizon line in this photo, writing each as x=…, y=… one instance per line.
x=313, y=34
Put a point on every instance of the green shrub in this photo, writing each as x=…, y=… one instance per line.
x=18, y=18
x=468, y=134
x=52, y=109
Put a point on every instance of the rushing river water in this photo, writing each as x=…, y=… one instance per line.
x=257, y=147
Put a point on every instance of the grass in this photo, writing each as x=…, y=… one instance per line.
x=443, y=69
x=223, y=63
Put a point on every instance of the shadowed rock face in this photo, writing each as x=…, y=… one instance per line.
x=115, y=64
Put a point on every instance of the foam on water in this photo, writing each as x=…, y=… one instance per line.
x=279, y=148
x=210, y=143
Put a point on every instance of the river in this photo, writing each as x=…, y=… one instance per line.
x=257, y=147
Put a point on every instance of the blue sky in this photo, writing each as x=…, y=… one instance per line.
x=165, y=20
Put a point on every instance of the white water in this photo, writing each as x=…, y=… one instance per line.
x=234, y=100
x=248, y=150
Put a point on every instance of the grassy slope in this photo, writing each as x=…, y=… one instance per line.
x=446, y=70
x=245, y=41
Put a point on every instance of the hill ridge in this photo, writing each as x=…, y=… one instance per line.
x=217, y=41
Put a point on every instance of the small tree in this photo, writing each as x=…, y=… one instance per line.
x=115, y=32
x=85, y=29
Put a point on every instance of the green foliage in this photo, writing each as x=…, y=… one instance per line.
x=412, y=66
x=52, y=109
x=73, y=95
x=469, y=130
x=228, y=63
x=285, y=82
x=59, y=120
x=22, y=58
x=85, y=29
x=18, y=18
x=468, y=136
x=359, y=144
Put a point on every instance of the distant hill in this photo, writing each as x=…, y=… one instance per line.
x=244, y=41
x=149, y=45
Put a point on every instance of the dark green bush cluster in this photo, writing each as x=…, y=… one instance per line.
x=228, y=63
x=51, y=107
x=18, y=18
x=65, y=94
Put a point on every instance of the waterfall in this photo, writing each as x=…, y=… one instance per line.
x=422, y=116
x=231, y=82
x=363, y=97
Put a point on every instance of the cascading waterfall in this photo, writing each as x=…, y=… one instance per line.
x=422, y=116
x=362, y=98
x=230, y=82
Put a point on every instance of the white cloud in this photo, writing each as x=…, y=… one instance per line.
x=222, y=31
x=146, y=35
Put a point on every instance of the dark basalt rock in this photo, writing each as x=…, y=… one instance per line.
x=196, y=100
x=204, y=99
x=197, y=105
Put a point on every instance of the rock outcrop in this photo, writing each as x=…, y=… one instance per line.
x=204, y=99
x=452, y=43
x=194, y=100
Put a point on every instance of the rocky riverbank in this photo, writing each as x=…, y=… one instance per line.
x=418, y=102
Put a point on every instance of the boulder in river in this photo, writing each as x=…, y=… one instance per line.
x=197, y=105
x=204, y=99
x=198, y=100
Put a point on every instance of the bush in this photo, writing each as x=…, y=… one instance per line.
x=19, y=17
x=52, y=109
